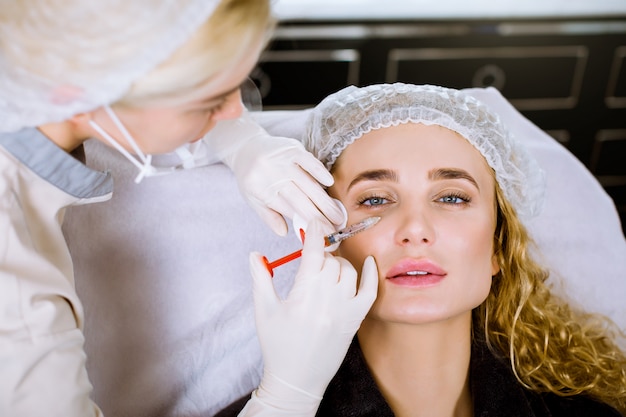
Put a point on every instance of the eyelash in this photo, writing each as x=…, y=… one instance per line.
x=465, y=199
x=218, y=108
x=211, y=110
x=363, y=200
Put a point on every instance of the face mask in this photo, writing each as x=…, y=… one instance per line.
x=191, y=155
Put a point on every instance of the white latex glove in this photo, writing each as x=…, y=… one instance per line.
x=276, y=175
x=305, y=338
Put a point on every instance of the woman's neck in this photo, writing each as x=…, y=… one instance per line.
x=421, y=370
x=68, y=135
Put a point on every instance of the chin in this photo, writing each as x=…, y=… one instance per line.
x=412, y=315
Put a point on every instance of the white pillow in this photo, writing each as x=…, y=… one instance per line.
x=162, y=270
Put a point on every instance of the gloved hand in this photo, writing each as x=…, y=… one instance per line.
x=276, y=175
x=305, y=338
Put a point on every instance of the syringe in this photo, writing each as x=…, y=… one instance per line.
x=329, y=240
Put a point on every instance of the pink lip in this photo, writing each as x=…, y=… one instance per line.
x=399, y=273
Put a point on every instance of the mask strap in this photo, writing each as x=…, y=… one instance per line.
x=185, y=156
x=125, y=133
x=142, y=161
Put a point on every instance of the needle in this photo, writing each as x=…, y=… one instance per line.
x=329, y=240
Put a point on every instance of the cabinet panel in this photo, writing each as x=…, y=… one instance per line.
x=302, y=78
x=532, y=78
x=616, y=89
x=608, y=158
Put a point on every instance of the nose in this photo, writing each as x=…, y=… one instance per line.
x=231, y=109
x=414, y=228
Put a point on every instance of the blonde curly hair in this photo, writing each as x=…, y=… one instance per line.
x=551, y=346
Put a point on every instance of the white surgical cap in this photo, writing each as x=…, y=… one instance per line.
x=345, y=116
x=60, y=58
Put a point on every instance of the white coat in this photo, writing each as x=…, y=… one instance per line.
x=41, y=317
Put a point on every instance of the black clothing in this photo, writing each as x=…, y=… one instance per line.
x=495, y=392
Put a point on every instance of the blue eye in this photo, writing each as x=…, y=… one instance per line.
x=454, y=199
x=373, y=201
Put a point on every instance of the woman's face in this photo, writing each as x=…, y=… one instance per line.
x=163, y=129
x=433, y=246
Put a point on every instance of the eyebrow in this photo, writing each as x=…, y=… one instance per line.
x=374, y=175
x=433, y=175
x=451, y=174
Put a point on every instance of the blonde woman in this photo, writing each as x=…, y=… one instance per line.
x=146, y=77
x=464, y=323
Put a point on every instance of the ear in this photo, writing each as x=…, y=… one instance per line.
x=81, y=119
x=79, y=124
x=69, y=133
x=495, y=267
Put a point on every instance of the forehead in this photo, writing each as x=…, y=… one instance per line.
x=414, y=145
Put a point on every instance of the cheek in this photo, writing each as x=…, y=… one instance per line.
x=357, y=248
x=191, y=130
x=350, y=251
x=182, y=131
x=477, y=245
x=472, y=261
x=474, y=242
